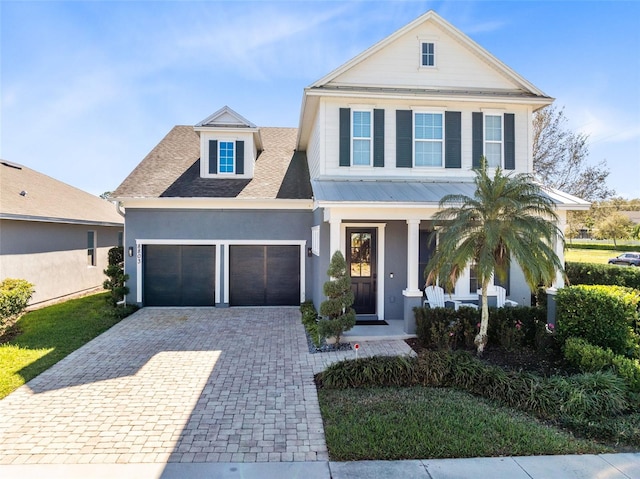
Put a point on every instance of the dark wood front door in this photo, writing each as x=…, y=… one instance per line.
x=361, y=258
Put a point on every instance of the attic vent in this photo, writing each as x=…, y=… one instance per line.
x=23, y=193
x=11, y=165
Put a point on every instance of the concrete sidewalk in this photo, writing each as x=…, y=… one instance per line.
x=604, y=466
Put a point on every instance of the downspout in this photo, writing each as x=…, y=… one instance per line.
x=119, y=208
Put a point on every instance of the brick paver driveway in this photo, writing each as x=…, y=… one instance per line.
x=177, y=385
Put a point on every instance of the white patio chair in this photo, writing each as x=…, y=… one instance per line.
x=501, y=298
x=435, y=298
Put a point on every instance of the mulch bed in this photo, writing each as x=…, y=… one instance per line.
x=544, y=363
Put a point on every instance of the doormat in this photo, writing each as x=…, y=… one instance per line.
x=371, y=322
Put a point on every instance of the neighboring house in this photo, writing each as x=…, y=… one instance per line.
x=53, y=235
x=228, y=214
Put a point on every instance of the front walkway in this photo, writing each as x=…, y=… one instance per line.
x=178, y=385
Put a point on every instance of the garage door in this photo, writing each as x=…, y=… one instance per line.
x=264, y=275
x=179, y=275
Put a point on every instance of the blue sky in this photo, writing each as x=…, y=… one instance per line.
x=88, y=88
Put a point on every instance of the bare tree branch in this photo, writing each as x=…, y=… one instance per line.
x=560, y=158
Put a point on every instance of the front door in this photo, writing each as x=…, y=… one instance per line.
x=361, y=263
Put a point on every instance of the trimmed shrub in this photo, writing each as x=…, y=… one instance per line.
x=443, y=328
x=590, y=358
x=588, y=395
x=591, y=395
x=15, y=295
x=369, y=372
x=337, y=314
x=310, y=321
x=510, y=328
x=591, y=273
x=605, y=316
x=117, y=278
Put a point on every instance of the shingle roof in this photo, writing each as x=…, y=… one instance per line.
x=26, y=194
x=172, y=169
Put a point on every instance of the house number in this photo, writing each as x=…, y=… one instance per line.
x=139, y=253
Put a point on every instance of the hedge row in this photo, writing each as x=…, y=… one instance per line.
x=510, y=328
x=606, y=316
x=589, y=358
x=609, y=247
x=578, y=397
x=591, y=273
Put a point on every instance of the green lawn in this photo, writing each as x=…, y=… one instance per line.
x=589, y=255
x=421, y=423
x=48, y=335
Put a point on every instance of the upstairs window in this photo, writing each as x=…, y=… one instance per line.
x=493, y=140
x=428, y=56
x=226, y=156
x=361, y=137
x=428, y=139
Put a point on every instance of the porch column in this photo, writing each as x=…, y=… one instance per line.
x=412, y=294
x=559, y=247
x=559, y=280
x=334, y=236
x=413, y=248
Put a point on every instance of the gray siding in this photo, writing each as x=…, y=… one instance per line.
x=53, y=256
x=182, y=224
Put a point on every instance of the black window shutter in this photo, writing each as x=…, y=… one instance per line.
x=239, y=157
x=509, y=142
x=404, y=138
x=477, y=138
x=378, y=138
x=453, y=139
x=345, y=136
x=213, y=157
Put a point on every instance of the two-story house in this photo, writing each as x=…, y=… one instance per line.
x=226, y=213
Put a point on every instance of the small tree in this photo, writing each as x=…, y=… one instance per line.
x=615, y=226
x=117, y=278
x=338, y=315
x=15, y=295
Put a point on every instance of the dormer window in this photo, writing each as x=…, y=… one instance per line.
x=229, y=145
x=428, y=55
x=226, y=155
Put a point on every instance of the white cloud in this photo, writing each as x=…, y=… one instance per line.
x=605, y=124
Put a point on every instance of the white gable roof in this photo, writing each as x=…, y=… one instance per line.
x=225, y=117
x=394, y=62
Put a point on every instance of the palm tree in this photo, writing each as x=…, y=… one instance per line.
x=508, y=217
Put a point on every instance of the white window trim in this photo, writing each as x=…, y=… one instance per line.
x=485, y=114
x=233, y=161
x=353, y=112
x=421, y=41
x=204, y=169
x=413, y=134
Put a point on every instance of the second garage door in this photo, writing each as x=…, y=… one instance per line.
x=264, y=275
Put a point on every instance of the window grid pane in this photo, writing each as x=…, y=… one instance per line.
x=493, y=140
x=428, y=55
x=428, y=135
x=226, y=157
x=361, y=138
x=428, y=153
